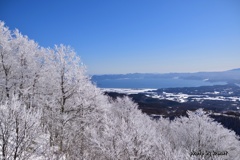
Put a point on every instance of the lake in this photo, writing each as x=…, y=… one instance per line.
x=153, y=83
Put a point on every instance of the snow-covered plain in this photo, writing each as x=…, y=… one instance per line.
x=127, y=90
x=178, y=97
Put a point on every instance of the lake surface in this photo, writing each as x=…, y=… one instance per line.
x=153, y=83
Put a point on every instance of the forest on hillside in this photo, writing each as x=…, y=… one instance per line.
x=49, y=109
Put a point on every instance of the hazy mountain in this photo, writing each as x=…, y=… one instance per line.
x=237, y=69
x=230, y=76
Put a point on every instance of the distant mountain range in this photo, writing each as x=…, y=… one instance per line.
x=229, y=76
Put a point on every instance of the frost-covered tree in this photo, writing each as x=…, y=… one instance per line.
x=20, y=66
x=73, y=106
x=133, y=135
x=89, y=123
x=19, y=130
x=59, y=89
x=133, y=132
x=6, y=59
x=54, y=81
x=27, y=67
x=199, y=133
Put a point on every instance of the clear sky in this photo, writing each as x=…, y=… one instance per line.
x=128, y=36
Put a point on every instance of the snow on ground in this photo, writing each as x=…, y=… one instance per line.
x=215, y=92
x=127, y=90
x=178, y=97
x=226, y=115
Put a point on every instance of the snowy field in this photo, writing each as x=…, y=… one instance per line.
x=178, y=97
x=128, y=90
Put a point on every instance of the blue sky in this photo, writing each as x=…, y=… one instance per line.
x=128, y=36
